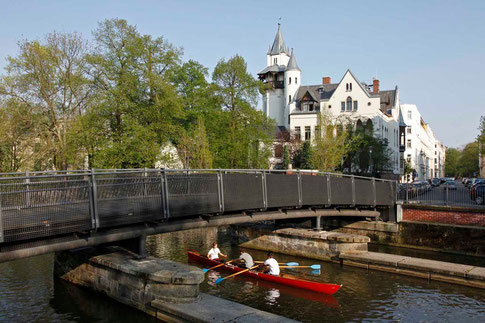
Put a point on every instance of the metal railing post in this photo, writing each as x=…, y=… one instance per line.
x=145, y=188
x=164, y=192
x=94, y=201
x=220, y=187
x=2, y=236
x=353, y=190
x=447, y=194
x=329, y=191
x=300, y=188
x=265, y=192
x=27, y=188
x=374, y=191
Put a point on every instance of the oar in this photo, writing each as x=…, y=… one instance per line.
x=311, y=266
x=218, y=280
x=280, y=263
x=222, y=264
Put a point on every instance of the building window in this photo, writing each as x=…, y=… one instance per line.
x=410, y=115
x=408, y=158
x=297, y=133
x=289, y=80
x=343, y=106
x=276, y=60
x=308, y=133
x=409, y=129
x=350, y=86
x=296, y=80
x=355, y=106
x=349, y=104
x=318, y=132
x=347, y=87
x=289, y=98
x=409, y=143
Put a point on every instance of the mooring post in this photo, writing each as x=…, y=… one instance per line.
x=318, y=225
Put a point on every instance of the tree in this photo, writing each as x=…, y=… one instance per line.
x=137, y=106
x=285, y=158
x=243, y=135
x=49, y=80
x=194, y=148
x=468, y=161
x=303, y=156
x=451, y=162
x=481, y=136
x=330, y=146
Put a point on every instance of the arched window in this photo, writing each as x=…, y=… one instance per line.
x=350, y=87
x=346, y=86
x=296, y=80
x=349, y=103
x=289, y=98
x=289, y=80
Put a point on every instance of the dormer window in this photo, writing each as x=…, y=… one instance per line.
x=275, y=60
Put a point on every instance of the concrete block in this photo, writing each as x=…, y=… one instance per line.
x=434, y=266
x=214, y=309
x=477, y=273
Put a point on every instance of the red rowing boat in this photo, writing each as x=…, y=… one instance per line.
x=283, y=279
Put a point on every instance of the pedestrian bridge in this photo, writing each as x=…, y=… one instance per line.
x=42, y=212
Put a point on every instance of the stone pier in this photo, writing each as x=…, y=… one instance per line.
x=164, y=289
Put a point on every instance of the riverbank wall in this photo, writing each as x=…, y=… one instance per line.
x=309, y=243
x=438, y=237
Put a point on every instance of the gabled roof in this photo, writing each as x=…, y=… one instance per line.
x=273, y=68
x=292, y=64
x=317, y=92
x=278, y=44
x=388, y=100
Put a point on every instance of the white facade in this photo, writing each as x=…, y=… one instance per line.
x=424, y=152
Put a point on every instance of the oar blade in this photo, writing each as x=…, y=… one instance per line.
x=218, y=280
x=205, y=270
x=292, y=264
x=315, y=266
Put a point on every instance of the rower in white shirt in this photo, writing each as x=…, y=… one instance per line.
x=215, y=253
x=271, y=266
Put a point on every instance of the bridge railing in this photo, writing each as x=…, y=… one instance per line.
x=45, y=204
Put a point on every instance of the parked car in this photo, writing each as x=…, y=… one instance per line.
x=478, y=182
x=463, y=180
x=449, y=185
x=408, y=188
x=435, y=182
x=443, y=180
x=468, y=182
x=479, y=194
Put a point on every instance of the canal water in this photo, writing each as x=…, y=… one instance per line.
x=28, y=291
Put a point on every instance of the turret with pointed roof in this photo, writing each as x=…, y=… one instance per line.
x=292, y=64
x=278, y=44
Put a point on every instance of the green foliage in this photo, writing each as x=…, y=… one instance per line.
x=243, y=135
x=122, y=103
x=303, y=156
x=451, y=162
x=481, y=136
x=330, y=146
x=286, y=158
x=468, y=161
x=366, y=154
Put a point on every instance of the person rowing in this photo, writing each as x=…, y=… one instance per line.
x=271, y=266
x=215, y=253
x=245, y=260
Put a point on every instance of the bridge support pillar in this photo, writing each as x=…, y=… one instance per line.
x=136, y=245
x=318, y=224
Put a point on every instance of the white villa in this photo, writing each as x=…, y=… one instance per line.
x=296, y=107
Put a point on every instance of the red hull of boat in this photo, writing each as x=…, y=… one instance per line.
x=328, y=289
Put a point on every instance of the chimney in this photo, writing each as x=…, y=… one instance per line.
x=326, y=80
x=375, y=86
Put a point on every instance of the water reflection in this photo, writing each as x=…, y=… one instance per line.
x=29, y=293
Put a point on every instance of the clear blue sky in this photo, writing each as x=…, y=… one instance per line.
x=433, y=50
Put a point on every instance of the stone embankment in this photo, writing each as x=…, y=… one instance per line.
x=351, y=250
x=164, y=289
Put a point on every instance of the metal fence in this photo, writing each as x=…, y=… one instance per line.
x=42, y=204
x=444, y=194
